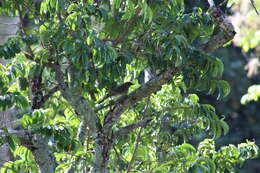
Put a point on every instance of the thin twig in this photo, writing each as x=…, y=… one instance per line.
x=2, y=23
x=138, y=138
x=253, y=4
x=122, y=37
x=135, y=150
x=50, y=93
x=19, y=133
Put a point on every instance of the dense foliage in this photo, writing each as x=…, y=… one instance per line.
x=243, y=119
x=68, y=55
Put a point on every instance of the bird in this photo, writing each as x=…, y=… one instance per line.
x=117, y=91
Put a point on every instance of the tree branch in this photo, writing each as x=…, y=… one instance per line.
x=225, y=34
x=225, y=31
x=41, y=151
x=128, y=128
x=122, y=37
x=253, y=4
x=19, y=133
x=50, y=93
x=89, y=120
x=137, y=139
x=147, y=89
x=75, y=98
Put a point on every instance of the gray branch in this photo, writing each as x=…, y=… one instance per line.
x=147, y=89
x=75, y=98
x=128, y=128
x=19, y=133
x=225, y=31
x=89, y=120
x=43, y=155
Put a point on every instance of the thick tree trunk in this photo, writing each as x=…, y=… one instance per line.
x=43, y=156
x=102, y=149
x=8, y=29
x=5, y=155
x=8, y=120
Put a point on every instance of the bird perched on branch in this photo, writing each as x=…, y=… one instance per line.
x=117, y=91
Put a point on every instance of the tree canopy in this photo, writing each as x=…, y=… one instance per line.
x=68, y=55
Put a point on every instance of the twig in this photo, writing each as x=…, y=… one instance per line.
x=2, y=23
x=117, y=154
x=50, y=93
x=128, y=31
x=253, y=4
x=19, y=133
x=138, y=138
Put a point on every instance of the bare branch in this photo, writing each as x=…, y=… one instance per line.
x=253, y=4
x=2, y=23
x=124, y=35
x=128, y=128
x=50, y=93
x=147, y=89
x=75, y=98
x=19, y=133
x=137, y=139
x=225, y=32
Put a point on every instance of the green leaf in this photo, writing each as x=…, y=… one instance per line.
x=187, y=147
x=116, y=4
x=194, y=98
x=224, y=126
x=210, y=165
x=60, y=6
x=224, y=89
x=130, y=10
x=147, y=12
x=21, y=101
x=10, y=140
x=219, y=67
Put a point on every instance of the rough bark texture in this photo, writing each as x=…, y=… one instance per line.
x=8, y=28
x=75, y=98
x=5, y=154
x=42, y=154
